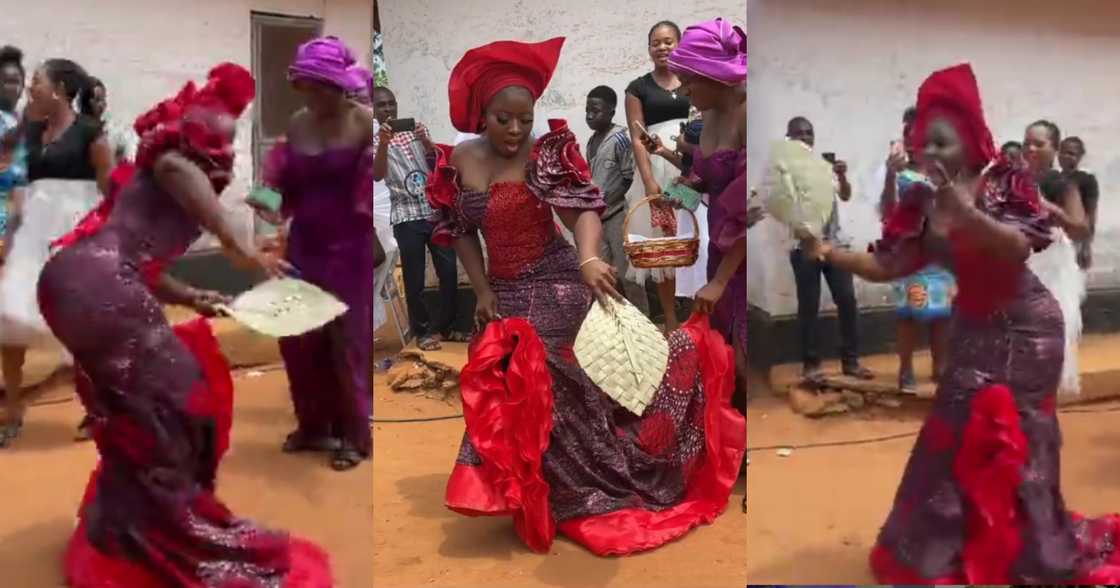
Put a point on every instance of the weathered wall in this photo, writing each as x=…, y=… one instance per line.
x=853, y=67
x=145, y=50
x=606, y=45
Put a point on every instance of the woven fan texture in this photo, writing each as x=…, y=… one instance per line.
x=285, y=308
x=800, y=187
x=624, y=353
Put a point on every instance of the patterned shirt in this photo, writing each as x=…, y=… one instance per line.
x=612, y=168
x=15, y=175
x=407, y=176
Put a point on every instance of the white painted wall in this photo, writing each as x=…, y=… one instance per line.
x=606, y=45
x=852, y=67
x=145, y=50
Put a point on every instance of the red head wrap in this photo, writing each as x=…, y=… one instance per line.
x=953, y=94
x=182, y=123
x=487, y=70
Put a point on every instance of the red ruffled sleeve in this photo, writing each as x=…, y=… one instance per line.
x=732, y=209
x=559, y=175
x=1011, y=195
x=443, y=195
x=900, y=248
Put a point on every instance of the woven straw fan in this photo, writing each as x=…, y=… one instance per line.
x=285, y=307
x=623, y=352
x=800, y=187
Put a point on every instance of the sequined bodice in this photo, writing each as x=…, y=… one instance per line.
x=148, y=222
x=518, y=227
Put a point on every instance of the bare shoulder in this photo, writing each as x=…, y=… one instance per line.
x=469, y=153
x=299, y=123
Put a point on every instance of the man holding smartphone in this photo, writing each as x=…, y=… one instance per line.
x=807, y=275
x=403, y=158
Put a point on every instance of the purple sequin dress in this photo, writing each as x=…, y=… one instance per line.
x=329, y=198
x=980, y=500
x=601, y=460
x=723, y=175
x=160, y=400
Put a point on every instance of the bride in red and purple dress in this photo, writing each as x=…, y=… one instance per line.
x=543, y=443
x=980, y=501
x=159, y=397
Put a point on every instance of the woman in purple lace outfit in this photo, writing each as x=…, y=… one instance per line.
x=711, y=62
x=323, y=170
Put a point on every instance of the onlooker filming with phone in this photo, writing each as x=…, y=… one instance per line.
x=403, y=157
x=807, y=275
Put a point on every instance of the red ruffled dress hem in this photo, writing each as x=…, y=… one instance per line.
x=483, y=491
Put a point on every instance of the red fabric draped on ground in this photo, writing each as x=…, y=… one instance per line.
x=507, y=400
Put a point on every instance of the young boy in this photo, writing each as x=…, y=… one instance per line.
x=612, y=169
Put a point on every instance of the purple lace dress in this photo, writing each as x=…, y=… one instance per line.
x=329, y=198
x=724, y=176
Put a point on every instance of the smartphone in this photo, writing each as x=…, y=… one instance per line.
x=829, y=157
x=403, y=125
x=643, y=131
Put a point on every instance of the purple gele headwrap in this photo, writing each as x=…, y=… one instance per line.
x=714, y=49
x=329, y=61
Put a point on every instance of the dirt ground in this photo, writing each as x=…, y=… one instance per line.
x=814, y=515
x=418, y=542
x=45, y=472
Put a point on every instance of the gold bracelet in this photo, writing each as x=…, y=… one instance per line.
x=587, y=261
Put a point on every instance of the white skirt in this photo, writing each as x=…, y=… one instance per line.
x=689, y=279
x=52, y=209
x=381, y=275
x=1056, y=266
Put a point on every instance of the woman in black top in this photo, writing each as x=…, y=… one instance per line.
x=650, y=100
x=69, y=162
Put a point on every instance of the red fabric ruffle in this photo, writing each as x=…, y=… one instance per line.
x=443, y=193
x=989, y=468
x=186, y=123
x=120, y=177
x=558, y=174
x=507, y=404
x=632, y=530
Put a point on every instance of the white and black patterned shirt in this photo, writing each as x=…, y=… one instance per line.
x=407, y=177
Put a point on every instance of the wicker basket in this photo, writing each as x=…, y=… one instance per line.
x=660, y=253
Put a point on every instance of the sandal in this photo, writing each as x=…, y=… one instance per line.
x=812, y=375
x=297, y=442
x=859, y=372
x=346, y=458
x=457, y=337
x=907, y=383
x=429, y=343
